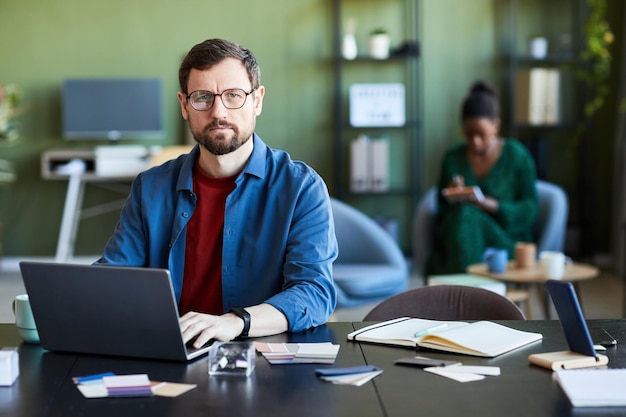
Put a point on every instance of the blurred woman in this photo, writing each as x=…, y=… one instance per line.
x=504, y=171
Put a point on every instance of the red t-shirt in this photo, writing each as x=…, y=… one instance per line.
x=202, y=278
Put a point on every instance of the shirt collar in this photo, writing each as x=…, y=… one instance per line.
x=257, y=161
x=255, y=165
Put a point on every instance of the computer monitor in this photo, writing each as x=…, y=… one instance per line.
x=112, y=108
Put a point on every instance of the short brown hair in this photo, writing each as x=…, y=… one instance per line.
x=213, y=51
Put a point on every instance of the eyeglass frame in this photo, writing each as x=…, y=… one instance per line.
x=188, y=97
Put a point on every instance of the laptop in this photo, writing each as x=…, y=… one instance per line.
x=106, y=310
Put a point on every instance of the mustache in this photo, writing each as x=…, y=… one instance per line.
x=218, y=123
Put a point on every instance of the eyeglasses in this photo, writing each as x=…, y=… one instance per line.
x=233, y=98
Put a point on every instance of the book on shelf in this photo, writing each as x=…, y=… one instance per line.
x=369, y=164
x=537, y=92
x=481, y=338
x=359, y=165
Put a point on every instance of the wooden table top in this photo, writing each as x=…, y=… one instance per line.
x=574, y=272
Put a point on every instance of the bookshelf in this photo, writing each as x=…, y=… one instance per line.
x=554, y=138
x=395, y=139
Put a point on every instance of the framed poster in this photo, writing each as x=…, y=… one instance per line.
x=377, y=105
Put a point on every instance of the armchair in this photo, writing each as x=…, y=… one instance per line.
x=370, y=266
x=548, y=230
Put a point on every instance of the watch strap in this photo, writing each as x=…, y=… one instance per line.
x=245, y=316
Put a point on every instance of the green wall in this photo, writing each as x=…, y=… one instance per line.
x=459, y=45
x=44, y=41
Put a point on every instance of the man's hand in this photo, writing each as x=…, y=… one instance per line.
x=265, y=320
x=207, y=327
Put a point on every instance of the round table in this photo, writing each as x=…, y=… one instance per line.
x=535, y=276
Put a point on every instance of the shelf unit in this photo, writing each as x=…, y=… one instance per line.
x=393, y=207
x=558, y=148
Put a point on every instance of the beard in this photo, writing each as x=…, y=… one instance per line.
x=221, y=144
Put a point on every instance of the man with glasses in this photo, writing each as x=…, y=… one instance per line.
x=246, y=232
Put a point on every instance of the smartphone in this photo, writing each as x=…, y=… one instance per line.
x=463, y=194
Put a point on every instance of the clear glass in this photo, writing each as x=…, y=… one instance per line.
x=232, y=358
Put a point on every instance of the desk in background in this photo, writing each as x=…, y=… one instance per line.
x=111, y=167
x=44, y=387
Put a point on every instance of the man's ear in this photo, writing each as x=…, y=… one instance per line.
x=182, y=99
x=259, y=93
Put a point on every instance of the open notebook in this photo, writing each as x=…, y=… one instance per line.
x=482, y=338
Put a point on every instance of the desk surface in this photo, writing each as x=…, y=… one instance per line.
x=575, y=272
x=44, y=387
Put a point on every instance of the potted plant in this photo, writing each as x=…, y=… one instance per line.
x=10, y=97
x=379, y=42
x=596, y=57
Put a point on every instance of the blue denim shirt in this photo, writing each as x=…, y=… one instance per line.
x=279, y=235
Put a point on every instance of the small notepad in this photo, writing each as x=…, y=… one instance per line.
x=593, y=387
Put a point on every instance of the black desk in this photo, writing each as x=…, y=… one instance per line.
x=521, y=390
x=44, y=387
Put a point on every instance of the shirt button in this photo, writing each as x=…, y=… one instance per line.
x=185, y=214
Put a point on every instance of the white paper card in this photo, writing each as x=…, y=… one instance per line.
x=468, y=369
x=457, y=376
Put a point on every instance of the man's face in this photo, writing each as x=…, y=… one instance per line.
x=221, y=130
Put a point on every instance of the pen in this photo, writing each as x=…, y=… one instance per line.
x=91, y=378
x=430, y=330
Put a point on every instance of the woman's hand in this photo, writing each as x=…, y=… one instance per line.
x=457, y=181
x=488, y=204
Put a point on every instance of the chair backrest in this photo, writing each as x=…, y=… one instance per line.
x=361, y=240
x=548, y=230
x=447, y=302
x=424, y=228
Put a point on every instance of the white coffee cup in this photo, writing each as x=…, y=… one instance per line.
x=554, y=264
x=24, y=319
x=539, y=47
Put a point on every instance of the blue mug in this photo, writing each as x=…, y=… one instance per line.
x=496, y=259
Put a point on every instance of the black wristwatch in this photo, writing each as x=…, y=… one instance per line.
x=245, y=316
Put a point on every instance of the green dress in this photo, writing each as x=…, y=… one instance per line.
x=465, y=231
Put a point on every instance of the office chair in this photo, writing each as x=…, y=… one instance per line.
x=447, y=302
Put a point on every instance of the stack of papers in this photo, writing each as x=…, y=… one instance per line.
x=288, y=353
x=136, y=385
x=127, y=385
x=593, y=387
x=356, y=375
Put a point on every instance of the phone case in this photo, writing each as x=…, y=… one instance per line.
x=463, y=194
